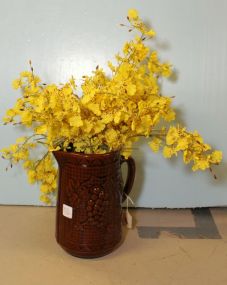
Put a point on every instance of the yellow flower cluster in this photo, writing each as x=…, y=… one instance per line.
x=193, y=148
x=38, y=170
x=138, y=24
x=45, y=173
x=112, y=113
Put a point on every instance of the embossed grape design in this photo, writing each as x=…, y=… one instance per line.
x=96, y=206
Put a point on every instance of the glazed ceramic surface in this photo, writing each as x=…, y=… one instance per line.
x=90, y=194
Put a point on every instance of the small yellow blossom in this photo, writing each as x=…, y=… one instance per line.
x=13, y=147
x=45, y=199
x=26, y=118
x=27, y=164
x=41, y=129
x=21, y=140
x=182, y=144
x=16, y=83
x=202, y=164
x=168, y=152
x=166, y=70
x=155, y=144
x=133, y=14
x=216, y=156
x=31, y=176
x=131, y=89
x=172, y=136
x=150, y=33
x=75, y=121
x=45, y=188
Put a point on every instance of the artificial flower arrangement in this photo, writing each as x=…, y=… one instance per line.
x=112, y=113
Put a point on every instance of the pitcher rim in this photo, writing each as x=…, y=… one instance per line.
x=87, y=155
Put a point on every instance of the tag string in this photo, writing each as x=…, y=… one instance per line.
x=129, y=199
x=128, y=215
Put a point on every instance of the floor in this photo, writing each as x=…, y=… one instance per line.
x=164, y=247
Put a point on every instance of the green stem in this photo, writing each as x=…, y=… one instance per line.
x=40, y=160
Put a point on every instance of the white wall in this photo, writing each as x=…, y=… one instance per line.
x=73, y=36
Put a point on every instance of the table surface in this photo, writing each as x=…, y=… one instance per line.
x=164, y=247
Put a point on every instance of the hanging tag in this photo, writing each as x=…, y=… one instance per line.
x=129, y=219
x=128, y=216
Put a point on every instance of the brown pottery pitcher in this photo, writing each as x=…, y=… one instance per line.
x=88, y=222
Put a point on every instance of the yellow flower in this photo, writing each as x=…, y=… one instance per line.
x=31, y=176
x=41, y=129
x=166, y=70
x=133, y=14
x=127, y=150
x=45, y=188
x=150, y=33
x=7, y=120
x=45, y=199
x=131, y=89
x=13, y=147
x=26, y=74
x=75, y=121
x=21, y=154
x=51, y=148
x=111, y=136
x=50, y=178
x=94, y=107
x=187, y=156
x=6, y=153
x=21, y=140
x=168, y=152
x=67, y=90
x=10, y=113
x=26, y=118
x=216, y=156
x=169, y=116
x=17, y=83
x=40, y=104
x=182, y=144
x=155, y=144
x=111, y=66
x=202, y=164
x=107, y=118
x=172, y=136
x=27, y=164
x=98, y=127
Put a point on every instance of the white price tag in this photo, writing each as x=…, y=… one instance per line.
x=67, y=211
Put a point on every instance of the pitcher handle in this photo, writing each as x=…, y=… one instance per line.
x=130, y=176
